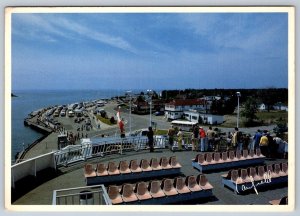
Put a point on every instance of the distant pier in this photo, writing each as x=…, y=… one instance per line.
x=37, y=125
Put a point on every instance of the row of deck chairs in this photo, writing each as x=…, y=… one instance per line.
x=259, y=173
x=226, y=157
x=133, y=167
x=156, y=189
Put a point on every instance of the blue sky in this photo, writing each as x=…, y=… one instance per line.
x=149, y=51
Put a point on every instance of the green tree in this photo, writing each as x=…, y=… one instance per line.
x=249, y=112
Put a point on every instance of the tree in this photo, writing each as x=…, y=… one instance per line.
x=250, y=109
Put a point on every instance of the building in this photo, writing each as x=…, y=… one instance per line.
x=262, y=107
x=280, y=106
x=174, y=109
x=200, y=117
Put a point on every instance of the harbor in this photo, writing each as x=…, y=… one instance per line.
x=89, y=127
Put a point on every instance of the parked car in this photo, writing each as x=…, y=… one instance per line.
x=159, y=113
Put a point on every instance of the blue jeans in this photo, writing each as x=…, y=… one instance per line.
x=251, y=145
x=240, y=146
x=202, y=144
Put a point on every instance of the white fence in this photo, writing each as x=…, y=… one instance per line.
x=71, y=154
x=32, y=166
x=88, y=195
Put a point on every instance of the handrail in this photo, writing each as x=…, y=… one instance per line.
x=76, y=193
x=78, y=153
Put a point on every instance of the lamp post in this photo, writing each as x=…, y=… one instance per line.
x=238, y=94
x=129, y=93
x=150, y=92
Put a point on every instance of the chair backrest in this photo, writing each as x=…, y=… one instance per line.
x=123, y=166
x=245, y=153
x=191, y=181
x=244, y=173
x=113, y=191
x=261, y=171
x=112, y=166
x=142, y=188
x=252, y=171
x=224, y=156
x=283, y=201
x=167, y=184
x=277, y=168
x=173, y=161
x=154, y=163
x=234, y=175
x=101, y=167
x=284, y=167
x=127, y=190
x=179, y=183
x=144, y=164
x=202, y=180
x=201, y=158
x=155, y=186
x=251, y=153
x=133, y=165
x=238, y=154
x=269, y=168
x=164, y=161
x=217, y=156
x=88, y=168
x=209, y=157
x=231, y=155
x=258, y=152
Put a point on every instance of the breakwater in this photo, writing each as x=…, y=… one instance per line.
x=37, y=126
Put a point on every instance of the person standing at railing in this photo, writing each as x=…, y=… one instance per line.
x=210, y=138
x=150, y=139
x=195, y=138
x=171, y=134
x=263, y=144
x=202, y=139
x=180, y=139
x=121, y=124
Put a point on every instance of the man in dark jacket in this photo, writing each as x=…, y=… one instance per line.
x=150, y=139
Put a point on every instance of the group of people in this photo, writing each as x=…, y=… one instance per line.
x=209, y=140
x=264, y=141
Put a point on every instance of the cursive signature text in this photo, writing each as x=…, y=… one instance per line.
x=266, y=180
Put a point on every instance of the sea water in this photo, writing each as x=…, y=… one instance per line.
x=32, y=100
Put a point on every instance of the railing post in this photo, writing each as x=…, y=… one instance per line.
x=54, y=198
x=121, y=145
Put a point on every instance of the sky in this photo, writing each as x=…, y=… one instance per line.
x=149, y=50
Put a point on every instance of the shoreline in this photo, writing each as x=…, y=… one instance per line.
x=21, y=155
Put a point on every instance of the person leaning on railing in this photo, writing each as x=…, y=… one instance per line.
x=263, y=144
x=195, y=138
x=180, y=139
x=171, y=134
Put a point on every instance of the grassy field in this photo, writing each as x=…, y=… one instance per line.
x=104, y=120
x=160, y=132
x=273, y=117
x=264, y=118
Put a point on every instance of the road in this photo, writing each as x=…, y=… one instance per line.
x=137, y=121
x=143, y=121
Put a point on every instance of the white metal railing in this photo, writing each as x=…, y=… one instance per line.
x=76, y=153
x=88, y=195
x=32, y=166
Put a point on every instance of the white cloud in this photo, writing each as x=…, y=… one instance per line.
x=39, y=26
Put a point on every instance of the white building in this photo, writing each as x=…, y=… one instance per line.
x=262, y=107
x=280, y=106
x=174, y=109
x=195, y=116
